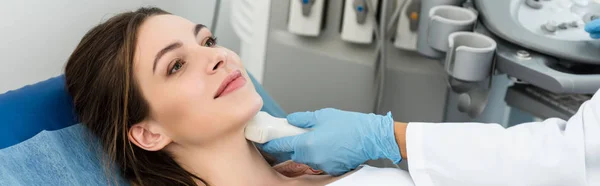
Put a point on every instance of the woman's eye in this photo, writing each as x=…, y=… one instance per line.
x=177, y=65
x=211, y=42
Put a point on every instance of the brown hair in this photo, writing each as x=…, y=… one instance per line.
x=99, y=77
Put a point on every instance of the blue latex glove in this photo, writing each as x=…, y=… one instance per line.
x=339, y=141
x=593, y=28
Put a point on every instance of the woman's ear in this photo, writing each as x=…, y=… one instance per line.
x=148, y=136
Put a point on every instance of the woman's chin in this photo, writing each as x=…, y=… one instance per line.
x=248, y=109
x=256, y=105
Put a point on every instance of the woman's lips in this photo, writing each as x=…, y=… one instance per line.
x=232, y=82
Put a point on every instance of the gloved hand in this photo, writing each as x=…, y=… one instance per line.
x=593, y=28
x=339, y=141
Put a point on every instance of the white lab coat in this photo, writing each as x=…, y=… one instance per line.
x=552, y=152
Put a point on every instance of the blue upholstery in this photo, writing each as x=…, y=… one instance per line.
x=31, y=109
x=34, y=152
x=68, y=156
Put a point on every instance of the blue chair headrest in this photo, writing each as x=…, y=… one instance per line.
x=33, y=108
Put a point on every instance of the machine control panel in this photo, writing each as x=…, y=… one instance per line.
x=361, y=9
x=307, y=7
x=550, y=27
x=590, y=17
x=559, y=19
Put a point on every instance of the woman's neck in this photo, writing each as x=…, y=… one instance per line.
x=231, y=160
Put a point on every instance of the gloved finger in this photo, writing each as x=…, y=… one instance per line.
x=593, y=26
x=336, y=173
x=280, y=145
x=335, y=169
x=595, y=35
x=302, y=119
x=280, y=157
x=283, y=156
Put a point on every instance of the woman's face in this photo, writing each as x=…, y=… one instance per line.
x=197, y=92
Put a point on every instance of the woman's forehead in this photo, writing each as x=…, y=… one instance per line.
x=165, y=27
x=159, y=31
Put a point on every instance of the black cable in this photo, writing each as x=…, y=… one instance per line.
x=382, y=55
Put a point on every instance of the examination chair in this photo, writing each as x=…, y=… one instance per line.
x=42, y=143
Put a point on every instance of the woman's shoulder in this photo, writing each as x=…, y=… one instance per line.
x=368, y=175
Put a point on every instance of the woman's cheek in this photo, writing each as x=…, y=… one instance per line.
x=235, y=58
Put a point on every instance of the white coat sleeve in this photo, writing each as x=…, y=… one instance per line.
x=552, y=152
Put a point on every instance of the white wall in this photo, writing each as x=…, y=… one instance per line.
x=37, y=36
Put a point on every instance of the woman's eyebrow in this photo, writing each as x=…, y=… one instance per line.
x=162, y=52
x=175, y=45
x=197, y=28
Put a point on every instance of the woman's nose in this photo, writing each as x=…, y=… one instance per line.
x=217, y=60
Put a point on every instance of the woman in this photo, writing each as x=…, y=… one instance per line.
x=170, y=106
